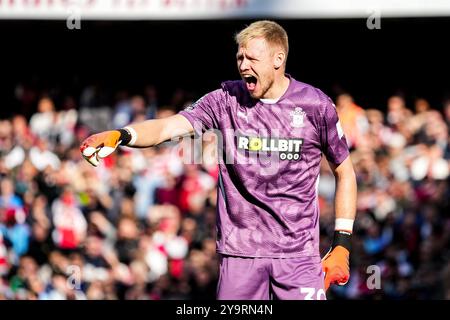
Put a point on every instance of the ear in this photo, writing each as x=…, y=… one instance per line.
x=278, y=59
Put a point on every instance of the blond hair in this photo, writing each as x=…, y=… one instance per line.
x=271, y=31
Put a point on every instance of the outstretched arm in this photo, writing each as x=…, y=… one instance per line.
x=139, y=135
x=153, y=132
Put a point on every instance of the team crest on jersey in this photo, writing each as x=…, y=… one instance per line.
x=298, y=116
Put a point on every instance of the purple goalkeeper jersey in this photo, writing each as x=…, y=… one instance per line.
x=269, y=159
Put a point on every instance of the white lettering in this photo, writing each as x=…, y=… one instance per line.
x=243, y=143
x=265, y=146
x=297, y=144
x=309, y=293
x=374, y=280
x=282, y=145
x=273, y=146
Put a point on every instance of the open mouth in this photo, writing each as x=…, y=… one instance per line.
x=250, y=81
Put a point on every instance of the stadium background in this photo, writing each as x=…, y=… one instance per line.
x=142, y=225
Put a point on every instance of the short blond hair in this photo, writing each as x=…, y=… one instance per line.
x=271, y=31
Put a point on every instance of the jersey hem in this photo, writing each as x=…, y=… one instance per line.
x=268, y=255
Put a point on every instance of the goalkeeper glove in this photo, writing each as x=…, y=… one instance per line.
x=335, y=264
x=101, y=145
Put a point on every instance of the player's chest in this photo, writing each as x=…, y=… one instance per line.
x=272, y=122
x=285, y=132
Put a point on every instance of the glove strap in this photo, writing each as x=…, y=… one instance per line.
x=342, y=238
x=128, y=136
x=125, y=137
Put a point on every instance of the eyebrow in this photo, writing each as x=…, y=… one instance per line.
x=250, y=57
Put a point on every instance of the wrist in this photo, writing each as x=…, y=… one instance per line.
x=343, y=233
x=344, y=224
x=128, y=136
x=342, y=238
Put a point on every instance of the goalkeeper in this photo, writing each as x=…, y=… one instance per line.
x=267, y=207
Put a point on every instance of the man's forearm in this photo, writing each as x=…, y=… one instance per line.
x=346, y=193
x=153, y=132
x=145, y=134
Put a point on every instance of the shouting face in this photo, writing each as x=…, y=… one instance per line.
x=258, y=64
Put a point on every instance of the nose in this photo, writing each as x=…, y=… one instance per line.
x=243, y=65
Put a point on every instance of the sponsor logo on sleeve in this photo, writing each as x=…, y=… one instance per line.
x=339, y=129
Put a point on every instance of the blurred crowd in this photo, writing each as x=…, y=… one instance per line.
x=142, y=224
x=401, y=247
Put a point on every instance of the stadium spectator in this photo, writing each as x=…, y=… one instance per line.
x=353, y=120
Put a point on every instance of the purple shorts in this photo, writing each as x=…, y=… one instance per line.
x=244, y=278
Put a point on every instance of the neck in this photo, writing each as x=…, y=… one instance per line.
x=278, y=88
